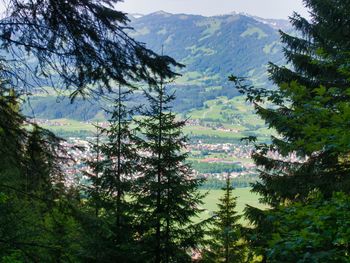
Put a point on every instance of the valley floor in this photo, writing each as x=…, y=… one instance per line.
x=245, y=197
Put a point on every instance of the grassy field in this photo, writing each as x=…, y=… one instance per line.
x=245, y=197
x=70, y=126
x=235, y=111
x=235, y=115
x=207, y=131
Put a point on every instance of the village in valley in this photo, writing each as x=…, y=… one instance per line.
x=213, y=161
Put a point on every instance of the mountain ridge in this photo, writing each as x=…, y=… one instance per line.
x=277, y=23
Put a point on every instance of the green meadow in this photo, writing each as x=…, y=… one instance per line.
x=244, y=197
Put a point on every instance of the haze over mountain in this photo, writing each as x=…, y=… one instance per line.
x=211, y=48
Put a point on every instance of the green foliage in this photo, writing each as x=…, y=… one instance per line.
x=166, y=194
x=115, y=165
x=316, y=232
x=36, y=223
x=225, y=243
x=99, y=51
x=15, y=257
x=52, y=224
x=308, y=110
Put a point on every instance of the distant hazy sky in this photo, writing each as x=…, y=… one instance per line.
x=262, y=8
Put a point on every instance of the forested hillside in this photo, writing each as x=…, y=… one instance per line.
x=211, y=48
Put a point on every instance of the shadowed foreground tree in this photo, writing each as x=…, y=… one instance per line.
x=83, y=46
x=316, y=232
x=79, y=44
x=35, y=216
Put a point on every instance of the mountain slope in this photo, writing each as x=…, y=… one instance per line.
x=212, y=48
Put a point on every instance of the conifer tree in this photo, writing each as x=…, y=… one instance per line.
x=32, y=192
x=54, y=230
x=166, y=193
x=84, y=43
x=12, y=137
x=309, y=110
x=113, y=170
x=43, y=164
x=225, y=233
x=77, y=44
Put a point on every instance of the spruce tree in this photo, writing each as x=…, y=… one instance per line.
x=12, y=139
x=225, y=243
x=111, y=177
x=309, y=110
x=75, y=44
x=54, y=231
x=166, y=193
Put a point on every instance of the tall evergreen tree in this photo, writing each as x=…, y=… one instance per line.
x=12, y=139
x=84, y=43
x=166, y=195
x=225, y=233
x=113, y=170
x=309, y=110
x=32, y=192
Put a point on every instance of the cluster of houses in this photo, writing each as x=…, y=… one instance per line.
x=238, y=151
x=50, y=123
x=80, y=151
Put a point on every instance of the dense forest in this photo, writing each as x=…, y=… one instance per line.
x=141, y=201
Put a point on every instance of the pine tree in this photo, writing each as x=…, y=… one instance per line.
x=309, y=110
x=166, y=193
x=226, y=243
x=112, y=174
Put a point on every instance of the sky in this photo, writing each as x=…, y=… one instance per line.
x=262, y=8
